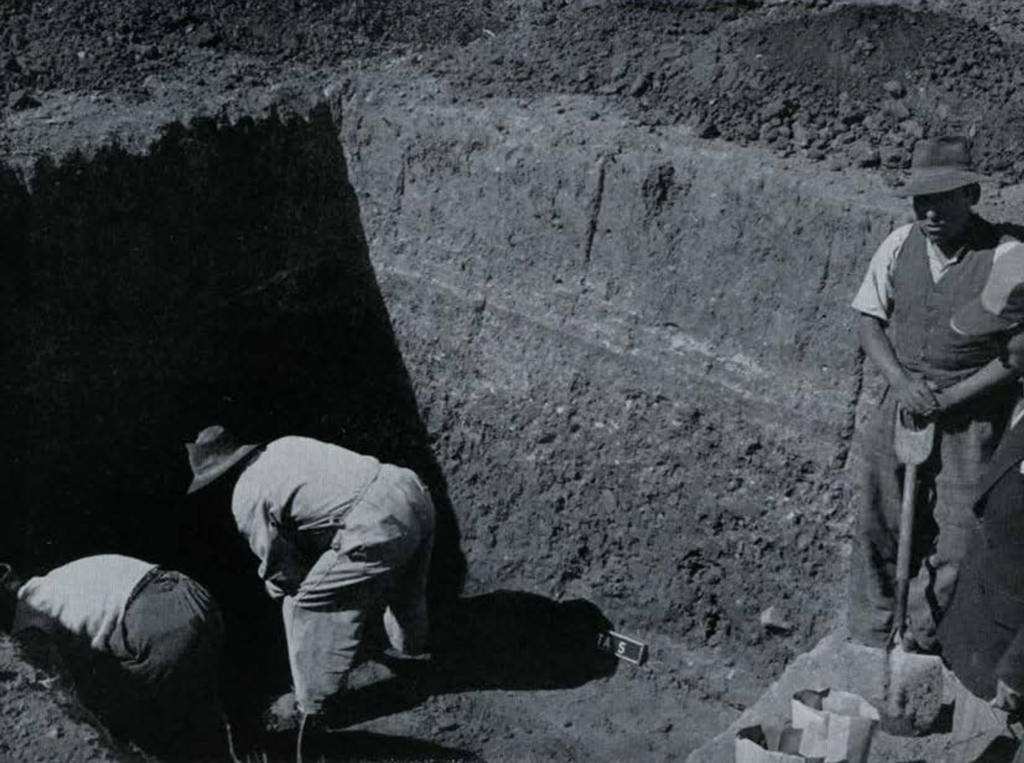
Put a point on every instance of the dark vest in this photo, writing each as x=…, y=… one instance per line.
x=924, y=341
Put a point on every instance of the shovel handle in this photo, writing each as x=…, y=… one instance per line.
x=913, y=441
x=903, y=551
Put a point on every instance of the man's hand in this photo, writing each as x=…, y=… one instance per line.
x=916, y=396
x=1007, y=699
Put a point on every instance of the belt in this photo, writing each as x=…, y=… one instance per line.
x=144, y=581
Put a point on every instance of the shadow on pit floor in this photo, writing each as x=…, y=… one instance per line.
x=504, y=640
x=362, y=746
x=508, y=640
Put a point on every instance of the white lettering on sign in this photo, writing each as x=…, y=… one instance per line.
x=623, y=647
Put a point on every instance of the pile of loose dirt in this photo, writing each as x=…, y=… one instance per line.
x=846, y=84
x=100, y=45
x=853, y=85
x=866, y=82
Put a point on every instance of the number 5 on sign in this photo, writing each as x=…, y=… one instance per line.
x=622, y=647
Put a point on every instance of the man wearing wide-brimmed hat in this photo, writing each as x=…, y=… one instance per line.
x=917, y=280
x=338, y=535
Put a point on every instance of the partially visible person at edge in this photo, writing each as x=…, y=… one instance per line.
x=982, y=633
x=339, y=535
x=918, y=278
x=138, y=645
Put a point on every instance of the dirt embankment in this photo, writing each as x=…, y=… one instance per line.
x=40, y=722
x=849, y=84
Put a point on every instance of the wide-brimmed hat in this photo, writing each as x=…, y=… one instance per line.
x=939, y=165
x=1000, y=306
x=213, y=453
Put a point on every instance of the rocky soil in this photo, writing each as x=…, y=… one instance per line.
x=41, y=722
x=842, y=83
x=828, y=85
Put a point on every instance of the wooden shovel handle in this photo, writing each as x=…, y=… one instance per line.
x=913, y=442
x=903, y=551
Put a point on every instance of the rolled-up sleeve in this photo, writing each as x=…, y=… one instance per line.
x=875, y=296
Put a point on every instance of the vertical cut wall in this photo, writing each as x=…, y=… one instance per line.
x=634, y=354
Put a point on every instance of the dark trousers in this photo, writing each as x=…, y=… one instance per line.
x=160, y=685
x=948, y=484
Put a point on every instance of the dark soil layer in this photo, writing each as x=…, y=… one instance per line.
x=853, y=85
x=846, y=84
x=116, y=45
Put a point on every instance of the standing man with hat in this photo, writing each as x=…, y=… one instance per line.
x=918, y=278
x=339, y=536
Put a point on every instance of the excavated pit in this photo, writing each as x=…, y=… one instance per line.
x=622, y=358
x=609, y=447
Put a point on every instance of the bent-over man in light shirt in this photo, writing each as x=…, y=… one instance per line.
x=140, y=644
x=338, y=534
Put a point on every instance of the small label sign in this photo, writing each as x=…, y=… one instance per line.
x=622, y=647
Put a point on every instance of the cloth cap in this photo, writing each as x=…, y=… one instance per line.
x=940, y=165
x=212, y=454
x=1000, y=306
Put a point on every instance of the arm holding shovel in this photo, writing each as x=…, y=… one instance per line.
x=995, y=373
x=912, y=391
x=915, y=395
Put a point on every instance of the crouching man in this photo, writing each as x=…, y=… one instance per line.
x=140, y=646
x=339, y=536
x=982, y=635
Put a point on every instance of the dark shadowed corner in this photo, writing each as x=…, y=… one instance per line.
x=222, y=277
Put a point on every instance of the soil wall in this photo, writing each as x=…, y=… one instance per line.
x=636, y=364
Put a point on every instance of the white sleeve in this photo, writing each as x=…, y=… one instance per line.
x=875, y=296
x=280, y=566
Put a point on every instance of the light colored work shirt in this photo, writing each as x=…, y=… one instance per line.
x=87, y=597
x=296, y=485
x=875, y=296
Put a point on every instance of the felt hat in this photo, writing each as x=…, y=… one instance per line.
x=1000, y=306
x=213, y=453
x=939, y=165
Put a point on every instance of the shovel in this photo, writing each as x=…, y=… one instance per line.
x=913, y=441
x=906, y=674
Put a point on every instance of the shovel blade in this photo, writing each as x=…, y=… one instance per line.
x=912, y=440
